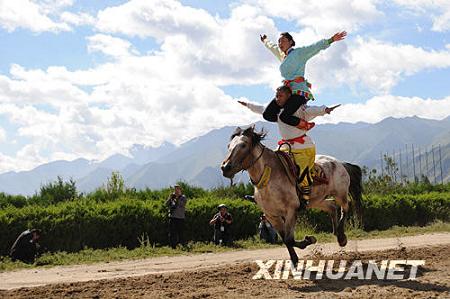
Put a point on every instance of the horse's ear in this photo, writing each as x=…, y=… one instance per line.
x=249, y=131
x=237, y=132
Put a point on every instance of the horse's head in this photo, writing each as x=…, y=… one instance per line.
x=240, y=150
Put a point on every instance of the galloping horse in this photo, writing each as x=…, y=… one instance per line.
x=276, y=193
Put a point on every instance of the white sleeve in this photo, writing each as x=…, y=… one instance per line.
x=274, y=49
x=255, y=108
x=312, y=112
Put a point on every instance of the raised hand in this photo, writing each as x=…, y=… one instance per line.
x=243, y=103
x=339, y=36
x=262, y=37
x=329, y=110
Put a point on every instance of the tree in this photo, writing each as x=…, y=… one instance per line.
x=115, y=186
x=58, y=191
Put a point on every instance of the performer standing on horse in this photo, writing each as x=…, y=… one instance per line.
x=293, y=63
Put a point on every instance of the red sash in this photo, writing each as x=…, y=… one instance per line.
x=300, y=139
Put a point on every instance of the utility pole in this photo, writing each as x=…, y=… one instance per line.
x=381, y=160
x=426, y=162
x=434, y=164
x=440, y=164
x=414, y=163
x=420, y=164
x=407, y=164
x=401, y=172
x=393, y=170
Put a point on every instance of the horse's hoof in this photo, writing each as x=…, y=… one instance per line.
x=342, y=240
x=311, y=239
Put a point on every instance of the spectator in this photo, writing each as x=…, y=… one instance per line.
x=266, y=230
x=177, y=210
x=26, y=246
x=222, y=222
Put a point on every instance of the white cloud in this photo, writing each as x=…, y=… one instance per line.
x=372, y=64
x=380, y=65
x=77, y=19
x=173, y=93
x=32, y=15
x=380, y=107
x=323, y=17
x=157, y=19
x=437, y=10
x=132, y=107
x=38, y=87
x=112, y=46
x=227, y=51
x=2, y=135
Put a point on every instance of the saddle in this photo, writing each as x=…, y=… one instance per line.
x=293, y=171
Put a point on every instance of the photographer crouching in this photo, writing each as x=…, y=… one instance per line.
x=222, y=222
x=177, y=210
x=266, y=231
x=26, y=247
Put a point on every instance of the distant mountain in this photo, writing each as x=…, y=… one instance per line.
x=89, y=175
x=27, y=182
x=197, y=161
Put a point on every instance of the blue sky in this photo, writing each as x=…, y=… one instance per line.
x=92, y=78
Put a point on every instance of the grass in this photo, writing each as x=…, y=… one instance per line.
x=146, y=250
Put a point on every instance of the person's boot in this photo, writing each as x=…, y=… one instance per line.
x=305, y=196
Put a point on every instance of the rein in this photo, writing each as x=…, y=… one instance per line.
x=265, y=176
x=256, y=160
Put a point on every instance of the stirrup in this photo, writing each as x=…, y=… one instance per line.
x=306, y=192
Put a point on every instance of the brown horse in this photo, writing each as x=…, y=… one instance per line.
x=276, y=194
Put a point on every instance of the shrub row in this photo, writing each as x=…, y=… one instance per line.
x=71, y=226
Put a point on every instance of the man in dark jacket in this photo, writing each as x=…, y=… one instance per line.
x=177, y=210
x=26, y=246
x=222, y=222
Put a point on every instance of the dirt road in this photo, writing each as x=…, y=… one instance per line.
x=229, y=274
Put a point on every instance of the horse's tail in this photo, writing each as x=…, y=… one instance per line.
x=355, y=188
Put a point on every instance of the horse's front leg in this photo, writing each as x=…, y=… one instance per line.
x=291, y=221
x=287, y=236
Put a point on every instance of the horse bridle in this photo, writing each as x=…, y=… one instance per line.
x=256, y=160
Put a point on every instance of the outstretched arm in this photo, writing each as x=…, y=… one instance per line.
x=254, y=108
x=310, y=51
x=272, y=47
x=314, y=111
x=270, y=113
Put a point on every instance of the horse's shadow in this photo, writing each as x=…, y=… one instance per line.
x=339, y=285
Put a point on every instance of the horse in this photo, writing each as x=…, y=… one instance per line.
x=276, y=193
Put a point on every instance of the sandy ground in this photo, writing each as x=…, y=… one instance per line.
x=230, y=274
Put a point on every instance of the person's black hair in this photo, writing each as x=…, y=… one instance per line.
x=289, y=37
x=285, y=88
x=36, y=230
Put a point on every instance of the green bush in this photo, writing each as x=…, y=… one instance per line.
x=381, y=212
x=119, y=216
x=71, y=226
x=17, y=201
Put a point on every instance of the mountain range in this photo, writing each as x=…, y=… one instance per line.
x=197, y=161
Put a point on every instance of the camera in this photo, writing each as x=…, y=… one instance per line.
x=173, y=203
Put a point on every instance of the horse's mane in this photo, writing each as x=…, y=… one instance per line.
x=256, y=137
